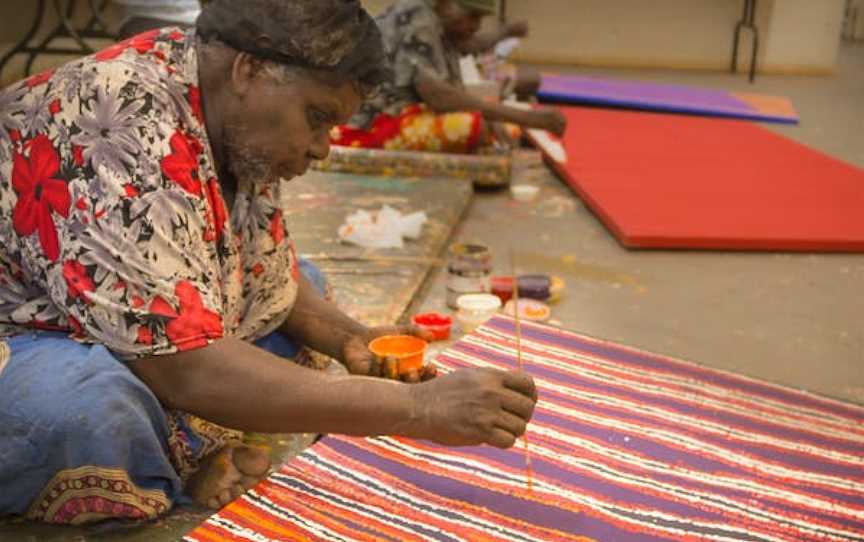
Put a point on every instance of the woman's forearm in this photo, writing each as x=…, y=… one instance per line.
x=443, y=97
x=238, y=385
x=319, y=324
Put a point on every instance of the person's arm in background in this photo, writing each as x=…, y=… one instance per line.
x=443, y=97
x=485, y=41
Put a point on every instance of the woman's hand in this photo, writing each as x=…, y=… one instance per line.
x=361, y=361
x=474, y=406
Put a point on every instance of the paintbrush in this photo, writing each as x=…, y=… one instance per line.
x=529, y=471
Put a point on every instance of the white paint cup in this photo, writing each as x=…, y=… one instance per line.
x=524, y=192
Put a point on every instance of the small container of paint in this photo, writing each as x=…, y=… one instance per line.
x=468, y=271
x=535, y=286
x=524, y=192
x=406, y=349
x=529, y=309
x=556, y=289
x=502, y=287
x=475, y=310
x=438, y=325
x=468, y=282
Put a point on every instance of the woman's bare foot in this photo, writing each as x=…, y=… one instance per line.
x=228, y=473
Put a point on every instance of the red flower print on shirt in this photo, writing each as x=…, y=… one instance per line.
x=295, y=264
x=77, y=328
x=181, y=166
x=54, y=107
x=195, y=103
x=36, y=323
x=217, y=214
x=277, y=227
x=78, y=155
x=39, y=79
x=131, y=191
x=145, y=336
x=39, y=195
x=78, y=282
x=141, y=43
x=190, y=326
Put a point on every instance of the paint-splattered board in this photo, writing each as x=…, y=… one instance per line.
x=626, y=446
x=488, y=170
x=372, y=288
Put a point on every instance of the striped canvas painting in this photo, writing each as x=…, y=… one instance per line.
x=625, y=446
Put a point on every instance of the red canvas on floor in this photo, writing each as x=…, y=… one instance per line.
x=668, y=181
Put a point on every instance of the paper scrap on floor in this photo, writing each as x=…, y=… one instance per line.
x=385, y=228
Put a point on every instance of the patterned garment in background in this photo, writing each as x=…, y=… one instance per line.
x=415, y=42
x=112, y=222
x=416, y=128
x=626, y=446
x=394, y=118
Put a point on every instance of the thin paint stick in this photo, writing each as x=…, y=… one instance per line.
x=529, y=471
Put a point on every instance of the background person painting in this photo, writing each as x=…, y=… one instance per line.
x=424, y=106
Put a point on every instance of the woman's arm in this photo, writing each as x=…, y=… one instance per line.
x=443, y=97
x=238, y=385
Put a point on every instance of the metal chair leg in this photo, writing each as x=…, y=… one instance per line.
x=734, y=67
x=97, y=14
x=67, y=25
x=748, y=21
x=754, y=54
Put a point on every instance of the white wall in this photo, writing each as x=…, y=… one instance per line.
x=668, y=33
x=798, y=36
x=803, y=35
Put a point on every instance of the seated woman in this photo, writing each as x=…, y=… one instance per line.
x=423, y=106
x=149, y=292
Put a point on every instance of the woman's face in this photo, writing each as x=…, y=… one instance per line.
x=459, y=23
x=277, y=128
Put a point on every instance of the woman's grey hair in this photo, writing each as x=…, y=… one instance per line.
x=336, y=39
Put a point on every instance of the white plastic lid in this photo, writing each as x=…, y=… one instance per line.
x=479, y=302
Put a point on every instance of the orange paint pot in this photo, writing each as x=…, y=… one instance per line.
x=406, y=349
x=437, y=324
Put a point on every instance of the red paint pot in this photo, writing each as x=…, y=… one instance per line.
x=437, y=324
x=502, y=287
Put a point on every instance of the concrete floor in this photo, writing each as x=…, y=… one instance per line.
x=796, y=319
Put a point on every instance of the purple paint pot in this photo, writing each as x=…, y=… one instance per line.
x=534, y=286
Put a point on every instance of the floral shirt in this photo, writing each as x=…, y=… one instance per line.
x=112, y=222
x=415, y=42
